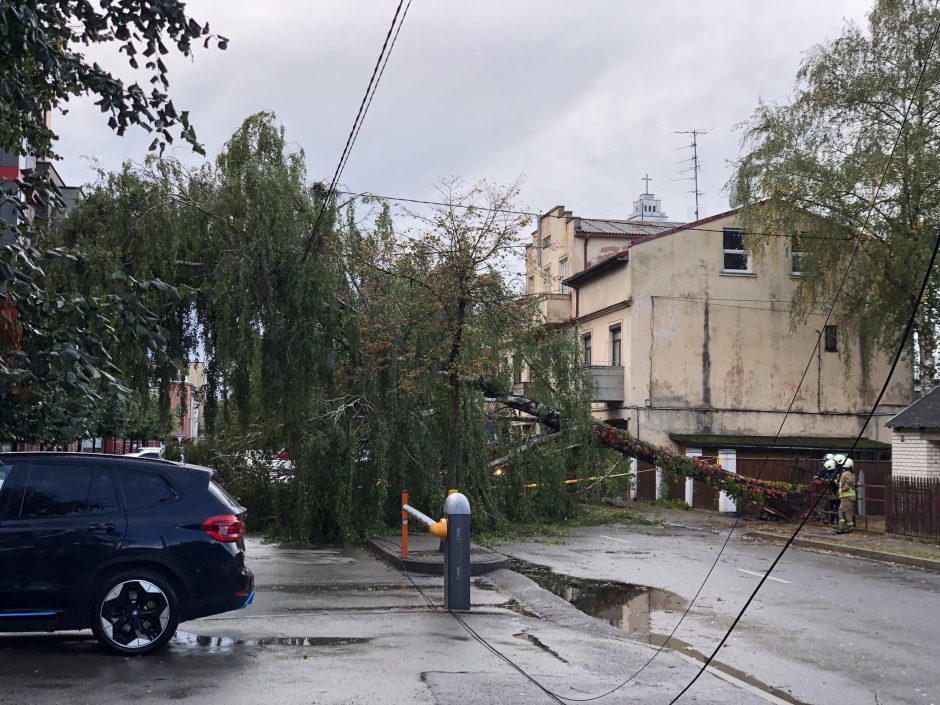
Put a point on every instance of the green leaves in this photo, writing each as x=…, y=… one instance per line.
x=822, y=165
x=43, y=64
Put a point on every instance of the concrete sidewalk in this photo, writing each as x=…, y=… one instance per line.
x=425, y=556
x=873, y=545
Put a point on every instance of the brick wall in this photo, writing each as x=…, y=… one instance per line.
x=914, y=456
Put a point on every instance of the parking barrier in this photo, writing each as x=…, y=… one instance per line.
x=454, y=530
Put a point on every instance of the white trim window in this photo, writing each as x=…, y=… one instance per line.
x=563, y=273
x=796, y=256
x=616, y=345
x=586, y=349
x=736, y=258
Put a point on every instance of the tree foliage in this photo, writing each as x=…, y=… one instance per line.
x=820, y=167
x=56, y=341
x=43, y=66
x=356, y=360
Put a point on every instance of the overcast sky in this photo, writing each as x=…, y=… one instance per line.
x=581, y=98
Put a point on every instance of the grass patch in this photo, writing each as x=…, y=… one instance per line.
x=554, y=533
x=596, y=515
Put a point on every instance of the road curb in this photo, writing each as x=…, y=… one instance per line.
x=884, y=556
x=482, y=560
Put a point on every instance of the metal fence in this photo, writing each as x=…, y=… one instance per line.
x=913, y=507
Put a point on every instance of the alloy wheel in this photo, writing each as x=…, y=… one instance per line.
x=134, y=613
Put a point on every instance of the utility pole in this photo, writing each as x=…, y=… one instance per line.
x=694, y=168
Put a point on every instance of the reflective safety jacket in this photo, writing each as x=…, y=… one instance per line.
x=847, y=485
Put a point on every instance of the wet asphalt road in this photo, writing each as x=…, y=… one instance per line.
x=827, y=629
x=341, y=627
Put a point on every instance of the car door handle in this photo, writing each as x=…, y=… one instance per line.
x=105, y=527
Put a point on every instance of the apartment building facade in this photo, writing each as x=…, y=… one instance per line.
x=690, y=342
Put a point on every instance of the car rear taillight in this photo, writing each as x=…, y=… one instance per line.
x=227, y=529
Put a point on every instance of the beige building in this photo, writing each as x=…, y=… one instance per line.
x=690, y=342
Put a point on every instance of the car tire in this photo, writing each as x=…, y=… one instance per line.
x=134, y=612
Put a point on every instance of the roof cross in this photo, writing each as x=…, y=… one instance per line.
x=647, y=179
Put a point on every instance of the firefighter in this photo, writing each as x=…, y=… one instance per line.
x=829, y=477
x=846, y=497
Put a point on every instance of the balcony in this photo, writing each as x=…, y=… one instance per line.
x=608, y=381
x=555, y=308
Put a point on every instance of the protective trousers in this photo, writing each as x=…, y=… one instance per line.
x=847, y=512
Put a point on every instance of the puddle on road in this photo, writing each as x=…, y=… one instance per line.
x=627, y=607
x=188, y=642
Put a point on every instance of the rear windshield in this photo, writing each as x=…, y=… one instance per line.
x=224, y=497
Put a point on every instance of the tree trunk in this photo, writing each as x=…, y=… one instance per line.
x=453, y=421
x=453, y=433
x=781, y=498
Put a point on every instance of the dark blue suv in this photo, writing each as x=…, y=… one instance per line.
x=126, y=546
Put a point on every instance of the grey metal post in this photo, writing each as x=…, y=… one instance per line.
x=457, y=554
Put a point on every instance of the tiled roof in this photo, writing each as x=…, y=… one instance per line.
x=626, y=228
x=664, y=229
x=922, y=414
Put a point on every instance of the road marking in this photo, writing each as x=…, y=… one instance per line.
x=761, y=575
x=611, y=538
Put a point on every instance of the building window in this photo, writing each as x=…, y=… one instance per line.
x=563, y=271
x=832, y=338
x=531, y=284
x=586, y=348
x=516, y=369
x=735, y=257
x=615, y=343
x=547, y=241
x=547, y=280
x=796, y=255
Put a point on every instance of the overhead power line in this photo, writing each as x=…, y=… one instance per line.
x=511, y=211
x=390, y=38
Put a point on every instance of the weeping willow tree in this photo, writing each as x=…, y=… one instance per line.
x=353, y=348
x=823, y=168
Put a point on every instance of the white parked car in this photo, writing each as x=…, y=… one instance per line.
x=278, y=466
x=149, y=453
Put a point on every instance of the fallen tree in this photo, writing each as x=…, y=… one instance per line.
x=779, y=498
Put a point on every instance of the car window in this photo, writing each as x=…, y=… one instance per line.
x=6, y=487
x=102, y=497
x=55, y=491
x=145, y=489
x=221, y=494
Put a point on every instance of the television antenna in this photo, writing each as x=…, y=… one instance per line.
x=695, y=164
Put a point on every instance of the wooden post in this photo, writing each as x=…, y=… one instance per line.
x=404, y=525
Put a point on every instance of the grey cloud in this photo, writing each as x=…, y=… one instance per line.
x=583, y=98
